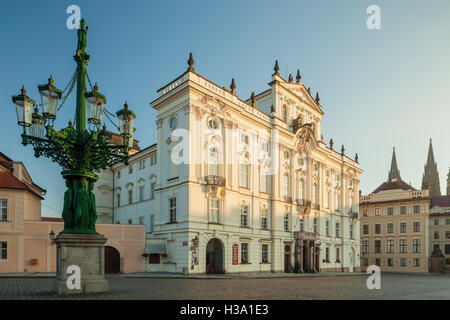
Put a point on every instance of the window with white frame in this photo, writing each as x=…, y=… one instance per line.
x=416, y=226
x=416, y=246
x=403, y=262
x=351, y=231
x=336, y=201
x=286, y=185
x=284, y=113
x=213, y=162
x=118, y=174
x=130, y=196
x=338, y=229
x=244, y=215
x=130, y=169
x=264, y=218
x=173, y=209
x=315, y=225
x=301, y=189
x=142, y=164
x=263, y=181
x=118, y=199
x=403, y=227
x=4, y=209
x=244, y=138
x=244, y=175
x=214, y=210
x=286, y=222
x=365, y=246
x=403, y=247
x=244, y=253
x=327, y=199
x=152, y=190
x=264, y=253
x=301, y=225
x=4, y=250
x=141, y=220
x=390, y=246
x=153, y=160
x=327, y=228
x=316, y=193
x=141, y=193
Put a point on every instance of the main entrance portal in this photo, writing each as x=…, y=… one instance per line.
x=214, y=256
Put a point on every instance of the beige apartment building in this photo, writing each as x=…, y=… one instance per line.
x=394, y=226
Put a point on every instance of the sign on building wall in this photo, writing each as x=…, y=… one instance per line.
x=235, y=254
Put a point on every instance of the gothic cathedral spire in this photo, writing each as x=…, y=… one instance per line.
x=448, y=182
x=430, y=179
x=394, y=173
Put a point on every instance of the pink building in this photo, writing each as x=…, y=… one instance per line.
x=25, y=244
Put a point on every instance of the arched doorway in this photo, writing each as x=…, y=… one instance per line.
x=214, y=256
x=112, y=260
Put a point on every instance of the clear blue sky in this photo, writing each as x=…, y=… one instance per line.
x=379, y=89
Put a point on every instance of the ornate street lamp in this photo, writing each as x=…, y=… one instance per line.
x=50, y=96
x=37, y=128
x=81, y=152
x=24, y=108
x=126, y=124
x=95, y=106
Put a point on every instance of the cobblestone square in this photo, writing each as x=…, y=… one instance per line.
x=393, y=286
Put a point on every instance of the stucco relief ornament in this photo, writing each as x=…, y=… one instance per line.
x=303, y=136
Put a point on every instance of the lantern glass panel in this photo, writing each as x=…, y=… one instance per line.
x=95, y=108
x=37, y=128
x=24, y=110
x=50, y=102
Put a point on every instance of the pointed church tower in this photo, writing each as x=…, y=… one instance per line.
x=394, y=174
x=448, y=182
x=430, y=179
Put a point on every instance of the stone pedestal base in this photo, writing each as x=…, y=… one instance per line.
x=83, y=252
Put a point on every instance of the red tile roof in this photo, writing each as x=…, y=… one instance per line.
x=440, y=201
x=9, y=181
x=398, y=184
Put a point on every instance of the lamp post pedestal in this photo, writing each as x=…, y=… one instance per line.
x=86, y=252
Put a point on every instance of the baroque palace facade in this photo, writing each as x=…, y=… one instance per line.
x=239, y=186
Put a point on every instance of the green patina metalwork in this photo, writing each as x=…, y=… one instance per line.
x=80, y=152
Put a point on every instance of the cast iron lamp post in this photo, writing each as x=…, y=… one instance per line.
x=80, y=151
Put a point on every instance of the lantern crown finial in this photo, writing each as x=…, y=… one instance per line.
x=50, y=80
x=96, y=87
x=23, y=90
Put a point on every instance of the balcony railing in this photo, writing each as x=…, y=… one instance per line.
x=304, y=235
x=215, y=181
x=287, y=199
x=303, y=202
x=353, y=214
x=316, y=206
